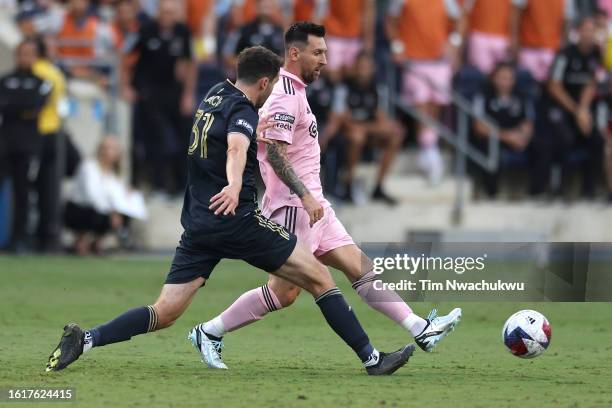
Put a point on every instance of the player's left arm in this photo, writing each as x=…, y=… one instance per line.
x=227, y=200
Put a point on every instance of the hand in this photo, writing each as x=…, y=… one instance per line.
x=226, y=201
x=313, y=208
x=187, y=102
x=264, y=124
x=584, y=121
x=129, y=94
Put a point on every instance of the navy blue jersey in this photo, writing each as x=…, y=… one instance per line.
x=225, y=109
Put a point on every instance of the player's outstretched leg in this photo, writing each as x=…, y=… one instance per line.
x=170, y=305
x=426, y=332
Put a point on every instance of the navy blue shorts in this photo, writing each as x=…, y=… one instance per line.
x=251, y=237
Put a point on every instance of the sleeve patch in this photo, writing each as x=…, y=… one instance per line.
x=246, y=125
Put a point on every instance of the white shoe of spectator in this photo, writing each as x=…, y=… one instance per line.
x=430, y=162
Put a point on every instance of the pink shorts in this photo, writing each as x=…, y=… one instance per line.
x=325, y=235
x=342, y=52
x=537, y=62
x=426, y=82
x=486, y=50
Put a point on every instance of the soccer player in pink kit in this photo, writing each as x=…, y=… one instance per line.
x=289, y=160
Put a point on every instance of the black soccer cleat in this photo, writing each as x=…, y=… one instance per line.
x=69, y=348
x=388, y=363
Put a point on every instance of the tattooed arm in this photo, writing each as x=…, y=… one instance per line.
x=277, y=156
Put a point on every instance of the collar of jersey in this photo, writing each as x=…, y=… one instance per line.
x=238, y=89
x=295, y=78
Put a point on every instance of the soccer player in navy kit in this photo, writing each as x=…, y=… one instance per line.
x=221, y=219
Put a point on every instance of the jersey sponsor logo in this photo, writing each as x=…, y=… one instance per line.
x=284, y=117
x=244, y=124
x=284, y=126
x=312, y=129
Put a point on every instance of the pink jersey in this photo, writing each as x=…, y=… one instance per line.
x=295, y=124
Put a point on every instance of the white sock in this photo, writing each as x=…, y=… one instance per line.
x=415, y=324
x=214, y=327
x=87, y=342
x=373, y=360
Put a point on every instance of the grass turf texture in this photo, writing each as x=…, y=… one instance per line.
x=291, y=359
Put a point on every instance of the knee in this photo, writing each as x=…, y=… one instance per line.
x=288, y=296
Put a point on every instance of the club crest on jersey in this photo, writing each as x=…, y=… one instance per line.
x=284, y=117
x=244, y=124
x=313, y=129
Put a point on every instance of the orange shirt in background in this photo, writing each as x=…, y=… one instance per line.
x=345, y=18
x=491, y=17
x=542, y=24
x=196, y=10
x=424, y=28
x=85, y=31
x=303, y=10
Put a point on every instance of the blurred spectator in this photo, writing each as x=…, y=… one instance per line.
x=605, y=5
x=364, y=121
x=162, y=84
x=604, y=125
x=538, y=28
x=261, y=31
x=350, y=28
x=572, y=90
x=603, y=23
x=422, y=44
x=489, y=38
x=22, y=96
x=40, y=17
x=512, y=113
x=50, y=171
x=126, y=23
x=202, y=22
x=309, y=10
x=83, y=36
x=100, y=202
x=321, y=98
x=243, y=12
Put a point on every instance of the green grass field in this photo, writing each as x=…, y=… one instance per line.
x=291, y=359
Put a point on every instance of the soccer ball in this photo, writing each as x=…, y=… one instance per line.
x=526, y=334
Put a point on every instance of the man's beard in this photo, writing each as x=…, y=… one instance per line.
x=310, y=77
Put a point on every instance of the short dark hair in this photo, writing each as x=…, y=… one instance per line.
x=257, y=62
x=298, y=32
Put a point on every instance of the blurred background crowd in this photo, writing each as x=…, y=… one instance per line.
x=514, y=95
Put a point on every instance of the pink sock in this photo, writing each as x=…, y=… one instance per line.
x=386, y=302
x=250, y=307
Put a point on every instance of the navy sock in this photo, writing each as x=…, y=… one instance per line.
x=131, y=323
x=343, y=321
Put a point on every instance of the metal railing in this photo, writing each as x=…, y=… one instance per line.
x=457, y=138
